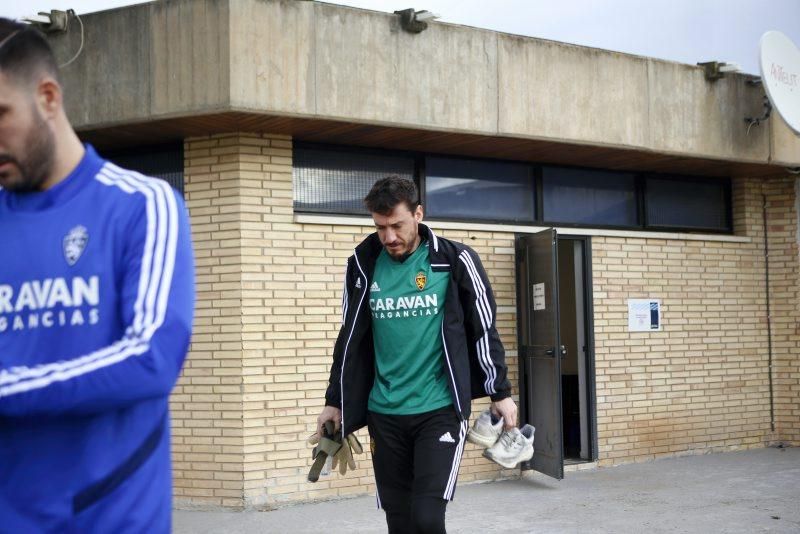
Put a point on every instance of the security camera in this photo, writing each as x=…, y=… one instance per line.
x=425, y=16
x=714, y=70
x=415, y=21
x=55, y=21
x=730, y=67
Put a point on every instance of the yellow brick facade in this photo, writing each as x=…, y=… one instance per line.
x=783, y=226
x=702, y=384
x=268, y=308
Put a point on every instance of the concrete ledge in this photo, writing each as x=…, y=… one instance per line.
x=321, y=61
x=335, y=220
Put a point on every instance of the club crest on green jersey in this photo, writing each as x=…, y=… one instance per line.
x=421, y=280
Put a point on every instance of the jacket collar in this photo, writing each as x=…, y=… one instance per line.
x=428, y=234
x=369, y=249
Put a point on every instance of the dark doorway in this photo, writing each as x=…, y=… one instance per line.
x=576, y=364
x=556, y=348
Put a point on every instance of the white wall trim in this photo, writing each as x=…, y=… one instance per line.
x=339, y=220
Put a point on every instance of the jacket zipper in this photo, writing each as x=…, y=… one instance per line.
x=350, y=337
x=452, y=376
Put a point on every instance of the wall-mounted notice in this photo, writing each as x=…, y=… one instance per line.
x=538, y=296
x=644, y=315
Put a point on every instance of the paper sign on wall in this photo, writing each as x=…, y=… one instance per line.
x=538, y=296
x=644, y=315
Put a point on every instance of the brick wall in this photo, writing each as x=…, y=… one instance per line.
x=269, y=293
x=702, y=382
x=784, y=268
x=207, y=424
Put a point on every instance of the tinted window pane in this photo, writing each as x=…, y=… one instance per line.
x=337, y=182
x=161, y=162
x=469, y=189
x=698, y=204
x=588, y=197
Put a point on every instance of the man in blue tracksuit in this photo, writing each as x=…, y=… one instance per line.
x=96, y=305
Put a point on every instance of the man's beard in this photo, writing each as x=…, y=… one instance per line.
x=37, y=162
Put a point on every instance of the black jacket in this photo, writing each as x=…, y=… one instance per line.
x=474, y=358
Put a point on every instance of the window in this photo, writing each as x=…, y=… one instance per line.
x=336, y=181
x=330, y=179
x=697, y=203
x=474, y=189
x=588, y=197
x=165, y=162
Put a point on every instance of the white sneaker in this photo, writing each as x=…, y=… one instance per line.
x=513, y=447
x=486, y=430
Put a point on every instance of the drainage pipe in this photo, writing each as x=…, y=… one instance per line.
x=769, y=316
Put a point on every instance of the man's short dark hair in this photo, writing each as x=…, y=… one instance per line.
x=388, y=192
x=25, y=52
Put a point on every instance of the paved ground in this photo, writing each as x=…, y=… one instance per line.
x=749, y=491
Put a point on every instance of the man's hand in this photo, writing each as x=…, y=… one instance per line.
x=507, y=409
x=331, y=413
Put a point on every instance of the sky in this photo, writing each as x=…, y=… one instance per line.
x=687, y=31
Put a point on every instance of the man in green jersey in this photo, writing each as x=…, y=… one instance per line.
x=418, y=342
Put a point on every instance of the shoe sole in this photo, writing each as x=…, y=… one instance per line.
x=527, y=454
x=483, y=441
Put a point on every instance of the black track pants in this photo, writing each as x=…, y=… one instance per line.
x=416, y=460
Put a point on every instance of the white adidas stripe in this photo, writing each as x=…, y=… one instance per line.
x=155, y=300
x=157, y=296
x=435, y=240
x=160, y=263
x=169, y=264
x=490, y=320
x=482, y=347
x=17, y=374
x=450, y=368
x=344, y=297
x=482, y=344
x=60, y=376
x=154, y=283
x=349, y=338
x=451, y=482
x=484, y=312
x=481, y=288
x=111, y=177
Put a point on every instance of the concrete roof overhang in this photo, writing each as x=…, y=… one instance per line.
x=320, y=72
x=409, y=139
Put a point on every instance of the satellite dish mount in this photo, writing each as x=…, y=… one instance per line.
x=780, y=75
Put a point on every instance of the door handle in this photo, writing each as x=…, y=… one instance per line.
x=562, y=350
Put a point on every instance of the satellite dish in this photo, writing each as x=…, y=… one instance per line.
x=780, y=74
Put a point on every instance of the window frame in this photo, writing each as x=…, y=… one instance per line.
x=535, y=173
x=727, y=191
x=348, y=149
x=540, y=214
x=536, y=210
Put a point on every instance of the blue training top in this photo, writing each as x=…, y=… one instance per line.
x=96, y=306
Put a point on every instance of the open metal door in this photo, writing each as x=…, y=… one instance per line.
x=540, y=349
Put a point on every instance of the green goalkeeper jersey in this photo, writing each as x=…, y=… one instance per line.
x=407, y=304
